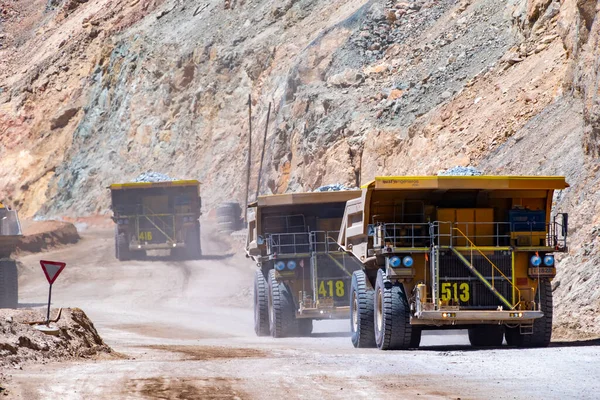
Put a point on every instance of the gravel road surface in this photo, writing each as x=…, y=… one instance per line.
x=183, y=330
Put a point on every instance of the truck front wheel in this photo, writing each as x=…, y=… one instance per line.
x=282, y=314
x=361, y=311
x=541, y=332
x=305, y=326
x=393, y=330
x=122, y=246
x=261, y=306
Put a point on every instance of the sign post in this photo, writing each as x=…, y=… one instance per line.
x=51, y=269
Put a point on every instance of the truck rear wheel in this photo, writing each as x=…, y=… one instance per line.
x=361, y=311
x=393, y=330
x=122, y=247
x=542, y=327
x=9, y=284
x=193, y=249
x=415, y=338
x=261, y=305
x=305, y=326
x=282, y=313
x=486, y=336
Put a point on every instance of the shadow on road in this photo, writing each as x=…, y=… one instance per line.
x=217, y=256
x=210, y=257
x=574, y=343
x=463, y=347
x=31, y=305
x=577, y=343
x=330, y=334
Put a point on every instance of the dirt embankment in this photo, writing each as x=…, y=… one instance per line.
x=21, y=343
x=43, y=235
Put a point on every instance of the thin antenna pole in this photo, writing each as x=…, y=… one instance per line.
x=249, y=157
x=262, y=156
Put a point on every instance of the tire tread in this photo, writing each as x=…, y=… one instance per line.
x=365, y=336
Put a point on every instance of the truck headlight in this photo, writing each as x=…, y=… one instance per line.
x=408, y=261
x=549, y=261
x=279, y=265
x=291, y=265
x=536, y=261
x=394, y=261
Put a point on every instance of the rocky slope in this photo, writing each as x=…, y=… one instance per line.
x=93, y=92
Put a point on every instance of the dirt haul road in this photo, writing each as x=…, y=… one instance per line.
x=185, y=331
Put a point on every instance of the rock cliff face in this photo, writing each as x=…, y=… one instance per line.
x=93, y=92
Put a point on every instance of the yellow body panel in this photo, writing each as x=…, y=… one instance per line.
x=468, y=182
x=305, y=198
x=138, y=185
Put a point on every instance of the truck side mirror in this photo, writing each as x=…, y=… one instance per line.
x=565, y=224
x=260, y=240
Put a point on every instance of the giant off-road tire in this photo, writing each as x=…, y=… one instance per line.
x=305, y=326
x=261, y=304
x=361, y=310
x=193, y=248
x=415, y=338
x=122, y=252
x=542, y=327
x=282, y=311
x=228, y=217
x=9, y=284
x=393, y=330
x=486, y=336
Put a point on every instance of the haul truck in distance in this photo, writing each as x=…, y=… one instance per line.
x=302, y=275
x=453, y=252
x=157, y=216
x=10, y=234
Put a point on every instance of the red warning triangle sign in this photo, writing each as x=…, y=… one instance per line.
x=52, y=269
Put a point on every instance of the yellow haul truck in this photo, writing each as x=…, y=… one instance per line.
x=10, y=233
x=303, y=275
x=157, y=216
x=453, y=252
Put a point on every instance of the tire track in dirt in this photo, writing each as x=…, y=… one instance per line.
x=205, y=353
x=184, y=388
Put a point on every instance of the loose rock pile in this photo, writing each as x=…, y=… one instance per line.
x=21, y=343
x=153, y=177
x=460, y=171
x=394, y=25
x=335, y=187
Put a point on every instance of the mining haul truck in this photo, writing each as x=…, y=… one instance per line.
x=453, y=252
x=302, y=274
x=10, y=234
x=157, y=216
